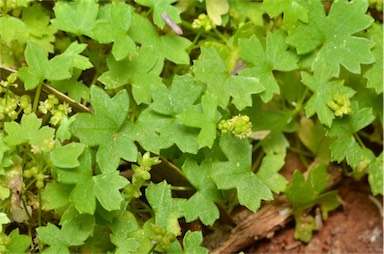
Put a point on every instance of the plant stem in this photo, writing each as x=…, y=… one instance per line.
x=39, y=210
x=37, y=98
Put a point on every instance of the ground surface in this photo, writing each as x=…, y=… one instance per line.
x=355, y=227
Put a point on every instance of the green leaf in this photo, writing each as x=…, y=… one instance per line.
x=12, y=29
x=123, y=243
x=346, y=146
x=56, y=195
x=41, y=32
x=19, y=242
x=78, y=17
x=323, y=91
x=304, y=193
x=158, y=128
x=57, y=68
x=75, y=89
x=29, y=131
x=211, y=70
x=113, y=27
x=202, y=204
x=183, y=93
x=88, y=187
x=375, y=74
x=167, y=210
x=263, y=63
x=205, y=119
x=192, y=243
x=237, y=173
x=72, y=233
x=333, y=35
x=160, y=7
x=141, y=71
x=105, y=129
x=3, y=220
x=268, y=172
x=171, y=47
x=215, y=9
x=313, y=137
x=67, y=156
x=375, y=175
x=293, y=10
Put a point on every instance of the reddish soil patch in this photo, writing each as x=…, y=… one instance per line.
x=356, y=227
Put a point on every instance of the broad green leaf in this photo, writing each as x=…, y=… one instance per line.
x=171, y=47
x=67, y=156
x=205, y=119
x=375, y=177
x=215, y=9
x=106, y=129
x=210, y=69
x=74, y=88
x=13, y=29
x=19, y=242
x=72, y=233
x=375, y=74
x=160, y=7
x=113, y=27
x=124, y=245
x=88, y=187
x=236, y=173
x=323, y=91
x=334, y=35
x=56, y=195
x=183, y=93
x=57, y=68
x=141, y=71
x=29, y=131
x=303, y=192
x=262, y=62
x=293, y=10
x=202, y=204
x=268, y=172
x=78, y=17
x=41, y=32
x=167, y=210
x=155, y=131
x=346, y=146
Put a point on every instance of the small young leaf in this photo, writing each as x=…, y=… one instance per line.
x=29, y=131
x=294, y=10
x=167, y=210
x=268, y=172
x=375, y=177
x=202, y=204
x=191, y=242
x=215, y=9
x=205, y=119
x=375, y=74
x=124, y=245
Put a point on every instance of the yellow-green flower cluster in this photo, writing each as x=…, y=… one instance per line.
x=58, y=111
x=376, y=4
x=203, y=21
x=340, y=104
x=239, y=125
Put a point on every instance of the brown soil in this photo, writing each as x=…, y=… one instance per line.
x=355, y=227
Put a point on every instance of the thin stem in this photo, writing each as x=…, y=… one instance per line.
x=152, y=249
x=37, y=98
x=39, y=210
x=358, y=139
x=220, y=35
